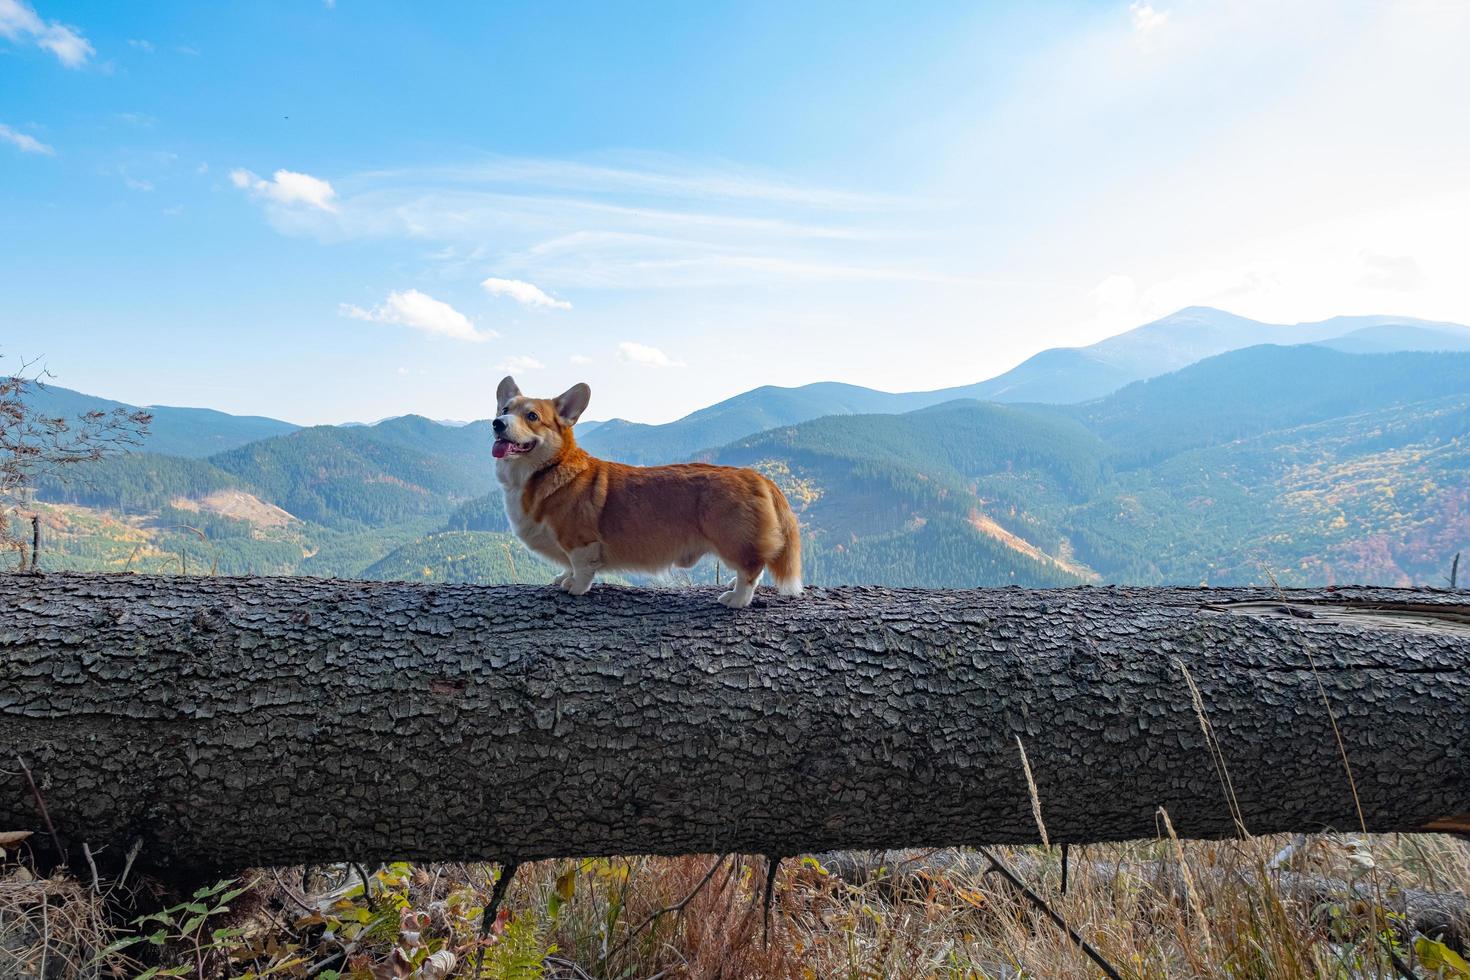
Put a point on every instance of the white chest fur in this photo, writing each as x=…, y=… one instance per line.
x=533, y=535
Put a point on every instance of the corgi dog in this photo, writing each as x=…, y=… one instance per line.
x=588, y=515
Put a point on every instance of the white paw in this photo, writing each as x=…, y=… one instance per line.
x=575, y=586
x=735, y=600
x=561, y=580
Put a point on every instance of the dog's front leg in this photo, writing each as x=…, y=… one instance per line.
x=553, y=553
x=586, y=561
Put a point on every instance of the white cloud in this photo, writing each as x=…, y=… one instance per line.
x=145, y=46
x=287, y=187
x=1145, y=18
x=1397, y=272
x=19, y=22
x=525, y=293
x=27, y=144
x=519, y=363
x=580, y=359
x=631, y=352
x=411, y=308
x=138, y=185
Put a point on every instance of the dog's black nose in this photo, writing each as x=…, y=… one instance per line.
x=499, y=426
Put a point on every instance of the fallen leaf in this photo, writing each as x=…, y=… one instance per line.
x=438, y=966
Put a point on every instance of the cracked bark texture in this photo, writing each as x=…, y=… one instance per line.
x=233, y=722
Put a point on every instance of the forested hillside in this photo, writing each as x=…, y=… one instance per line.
x=367, y=476
x=1299, y=463
x=1305, y=463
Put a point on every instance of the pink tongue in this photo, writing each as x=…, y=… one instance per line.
x=501, y=447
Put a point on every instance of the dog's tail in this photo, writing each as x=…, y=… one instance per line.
x=785, y=566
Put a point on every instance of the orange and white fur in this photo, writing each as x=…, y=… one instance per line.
x=589, y=515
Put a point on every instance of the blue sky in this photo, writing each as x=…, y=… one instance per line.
x=334, y=211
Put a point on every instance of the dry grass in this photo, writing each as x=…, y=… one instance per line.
x=962, y=922
x=1153, y=909
x=49, y=927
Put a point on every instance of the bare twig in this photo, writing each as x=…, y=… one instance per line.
x=56, y=840
x=1015, y=882
x=678, y=906
x=132, y=856
x=286, y=890
x=87, y=852
x=367, y=887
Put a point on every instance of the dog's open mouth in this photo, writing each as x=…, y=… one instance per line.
x=504, y=448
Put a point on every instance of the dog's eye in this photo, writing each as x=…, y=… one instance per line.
x=532, y=417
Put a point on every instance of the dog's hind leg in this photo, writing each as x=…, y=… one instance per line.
x=739, y=597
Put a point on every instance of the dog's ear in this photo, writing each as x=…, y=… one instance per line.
x=505, y=392
x=571, y=403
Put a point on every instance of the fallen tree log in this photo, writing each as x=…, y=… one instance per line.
x=230, y=722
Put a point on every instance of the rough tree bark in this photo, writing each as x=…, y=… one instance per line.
x=229, y=722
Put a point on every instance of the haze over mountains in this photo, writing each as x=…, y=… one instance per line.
x=1058, y=375
x=1312, y=463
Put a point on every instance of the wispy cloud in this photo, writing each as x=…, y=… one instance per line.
x=19, y=22
x=653, y=175
x=520, y=363
x=411, y=308
x=571, y=225
x=142, y=45
x=580, y=359
x=287, y=187
x=632, y=352
x=525, y=293
x=1146, y=19
x=26, y=143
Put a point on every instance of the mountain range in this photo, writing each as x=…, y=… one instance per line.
x=1342, y=457
x=1059, y=375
